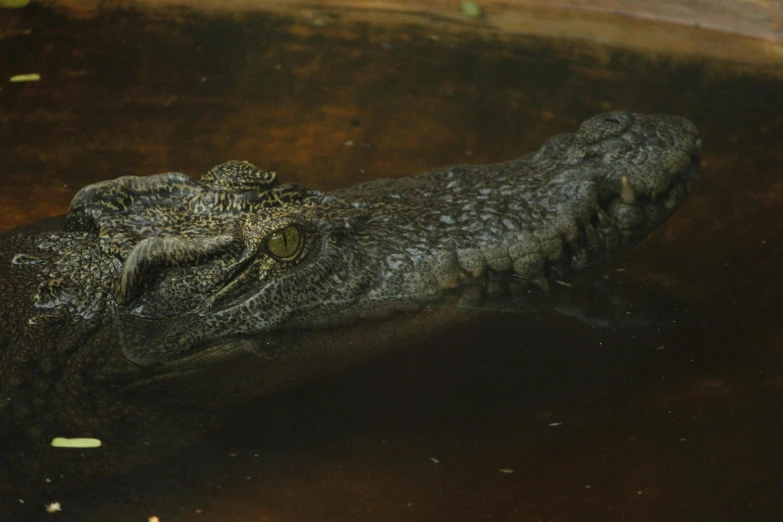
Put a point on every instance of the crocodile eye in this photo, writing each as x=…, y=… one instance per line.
x=286, y=243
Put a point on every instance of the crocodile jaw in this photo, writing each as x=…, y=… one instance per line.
x=395, y=246
x=180, y=267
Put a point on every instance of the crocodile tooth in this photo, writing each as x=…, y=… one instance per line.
x=626, y=191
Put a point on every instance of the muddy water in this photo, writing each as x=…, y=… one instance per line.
x=518, y=418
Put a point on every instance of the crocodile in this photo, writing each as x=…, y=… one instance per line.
x=157, y=303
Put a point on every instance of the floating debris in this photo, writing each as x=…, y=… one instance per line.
x=555, y=424
x=472, y=9
x=54, y=507
x=32, y=77
x=13, y=4
x=433, y=459
x=83, y=442
x=507, y=471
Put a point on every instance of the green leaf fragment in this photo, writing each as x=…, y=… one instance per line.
x=13, y=4
x=34, y=77
x=472, y=9
x=83, y=442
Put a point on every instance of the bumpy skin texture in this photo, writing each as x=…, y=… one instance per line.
x=169, y=284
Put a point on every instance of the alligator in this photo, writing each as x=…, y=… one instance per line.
x=158, y=303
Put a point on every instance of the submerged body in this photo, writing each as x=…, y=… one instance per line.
x=158, y=301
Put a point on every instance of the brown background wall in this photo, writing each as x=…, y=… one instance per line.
x=758, y=18
x=683, y=27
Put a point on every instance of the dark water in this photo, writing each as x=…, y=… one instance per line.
x=513, y=418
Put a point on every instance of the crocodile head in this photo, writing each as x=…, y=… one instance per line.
x=174, y=274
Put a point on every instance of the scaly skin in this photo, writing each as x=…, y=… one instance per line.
x=162, y=290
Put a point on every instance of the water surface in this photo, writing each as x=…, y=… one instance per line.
x=518, y=418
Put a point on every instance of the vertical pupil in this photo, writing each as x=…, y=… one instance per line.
x=286, y=242
x=290, y=239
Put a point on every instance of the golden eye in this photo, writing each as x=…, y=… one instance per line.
x=286, y=243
